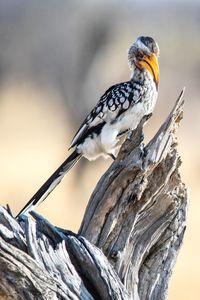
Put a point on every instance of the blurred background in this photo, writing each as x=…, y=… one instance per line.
x=56, y=59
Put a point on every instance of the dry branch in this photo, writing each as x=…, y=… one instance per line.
x=129, y=238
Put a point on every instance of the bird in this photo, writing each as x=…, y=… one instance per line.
x=118, y=112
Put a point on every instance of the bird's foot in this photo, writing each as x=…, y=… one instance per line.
x=148, y=116
x=112, y=156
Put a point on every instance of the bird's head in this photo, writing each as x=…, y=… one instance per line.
x=143, y=54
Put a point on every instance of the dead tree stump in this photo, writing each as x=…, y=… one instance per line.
x=129, y=238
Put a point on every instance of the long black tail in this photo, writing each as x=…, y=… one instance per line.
x=51, y=183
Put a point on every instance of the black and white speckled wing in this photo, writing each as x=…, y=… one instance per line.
x=116, y=100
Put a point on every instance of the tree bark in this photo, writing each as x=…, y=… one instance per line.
x=128, y=240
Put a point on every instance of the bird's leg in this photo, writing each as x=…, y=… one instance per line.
x=147, y=117
x=123, y=133
x=112, y=156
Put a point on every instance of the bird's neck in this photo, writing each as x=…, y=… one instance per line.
x=141, y=76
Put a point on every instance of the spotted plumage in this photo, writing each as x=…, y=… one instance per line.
x=135, y=97
x=119, y=110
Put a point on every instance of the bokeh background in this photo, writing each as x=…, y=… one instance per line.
x=56, y=59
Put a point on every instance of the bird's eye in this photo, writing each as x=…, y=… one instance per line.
x=140, y=55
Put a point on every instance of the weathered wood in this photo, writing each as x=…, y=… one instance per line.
x=128, y=240
x=137, y=204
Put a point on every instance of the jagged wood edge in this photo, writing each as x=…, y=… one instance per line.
x=53, y=263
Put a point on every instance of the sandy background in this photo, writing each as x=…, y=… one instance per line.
x=56, y=59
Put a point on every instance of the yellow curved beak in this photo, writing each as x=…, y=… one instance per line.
x=151, y=64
